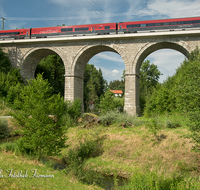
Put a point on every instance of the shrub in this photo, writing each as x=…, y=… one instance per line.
x=194, y=126
x=74, y=109
x=42, y=135
x=112, y=117
x=4, y=130
x=172, y=123
x=154, y=126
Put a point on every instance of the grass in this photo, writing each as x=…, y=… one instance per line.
x=57, y=179
x=163, y=161
x=135, y=148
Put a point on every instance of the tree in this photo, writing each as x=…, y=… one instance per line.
x=94, y=85
x=107, y=101
x=179, y=93
x=4, y=62
x=41, y=134
x=53, y=69
x=9, y=78
x=149, y=76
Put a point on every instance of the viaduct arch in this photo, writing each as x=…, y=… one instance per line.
x=75, y=53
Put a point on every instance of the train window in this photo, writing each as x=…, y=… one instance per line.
x=79, y=29
x=143, y=25
x=66, y=29
x=173, y=23
x=188, y=22
x=99, y=27
x=158, y=24
x=9, y=33
x=132, y=26
x=166, y=23
x=151, y=24
x=182, y=22
x=107, y=27
x=196, y=21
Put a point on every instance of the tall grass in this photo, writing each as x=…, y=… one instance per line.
x=151, y=181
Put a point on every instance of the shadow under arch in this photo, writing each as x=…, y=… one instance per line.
x=32, y=59
x=159, y=46
x=85, y=55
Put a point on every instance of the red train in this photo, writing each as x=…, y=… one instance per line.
x=104, y=28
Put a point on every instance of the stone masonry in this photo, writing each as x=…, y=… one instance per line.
x=77, y=51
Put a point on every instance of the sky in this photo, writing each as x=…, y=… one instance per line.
x=45, y=13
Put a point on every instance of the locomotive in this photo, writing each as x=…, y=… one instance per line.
x=103, y=28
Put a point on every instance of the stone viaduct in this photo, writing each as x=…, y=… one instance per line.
x=77, y=51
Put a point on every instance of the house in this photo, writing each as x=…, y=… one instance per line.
x=117, y=92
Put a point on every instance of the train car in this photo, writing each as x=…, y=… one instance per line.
x=106, y=28
x=164, y=24
x=45, y=31
x=16, y=34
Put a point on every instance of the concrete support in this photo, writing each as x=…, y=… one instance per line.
x=73, y=88
x=131, y=105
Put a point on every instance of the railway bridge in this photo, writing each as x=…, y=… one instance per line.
x=76, y=52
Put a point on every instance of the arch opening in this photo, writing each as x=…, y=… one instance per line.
x=159, y=46
x=50, y=64
x=95, y=55
x=166, y=57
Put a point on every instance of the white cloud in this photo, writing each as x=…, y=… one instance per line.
x=110, y=56
x=167, y=61
x=115, y=72
x=175, y=8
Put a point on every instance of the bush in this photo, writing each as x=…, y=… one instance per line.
x=74, y=109
x=4, y=130
x=194, y=126
x=154, y=126
x=109, y=117
x=172, y=123
x=112, y=117
x=42, y=135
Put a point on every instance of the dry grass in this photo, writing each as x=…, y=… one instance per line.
x=127, y=150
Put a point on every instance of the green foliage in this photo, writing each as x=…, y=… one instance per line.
x=112, y=117
x=149, y=76
x=74, y=109
x=9, y=79
x=94, y=85
x=77, y=156
x=194, y=126
x=4, y=130
x=4, y=62
x=152, y=181
x=53, y=69
x=42, y=135
x=107, y=102
x=109, y=117
x=72, y=113
x=10, y=146
x=172, y=123
x=179, y=93
x=154, y=126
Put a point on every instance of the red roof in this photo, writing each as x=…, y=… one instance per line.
x=117, y=91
